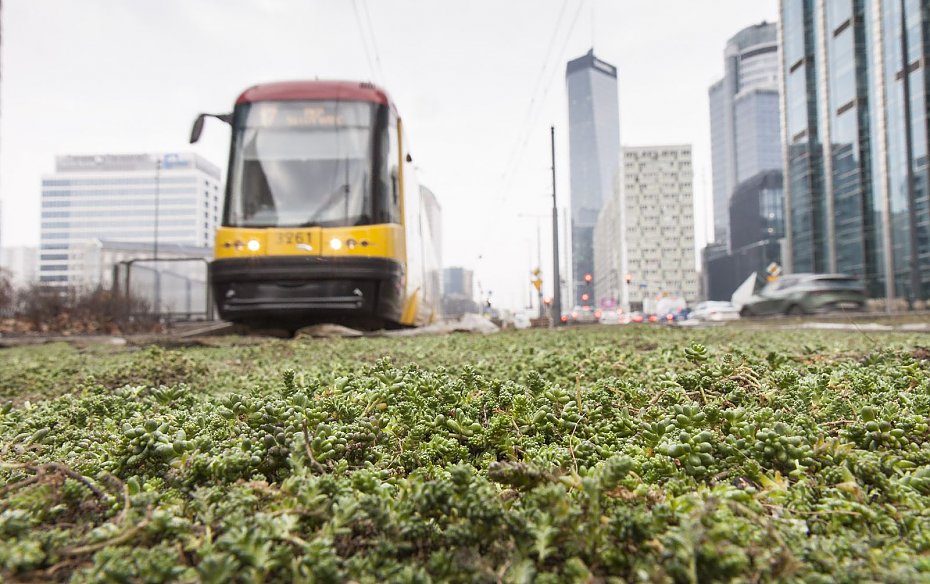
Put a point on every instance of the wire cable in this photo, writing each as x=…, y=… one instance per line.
x=361, y=32
x=374, y=44
x=527, y=120
x=514, y=162
x=523, y=141
x=534, y=114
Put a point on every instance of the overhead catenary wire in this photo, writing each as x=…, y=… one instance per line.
x=361, y=31
x=526, y=131
x=527, y=120
x=552, y=65
x=374, y=44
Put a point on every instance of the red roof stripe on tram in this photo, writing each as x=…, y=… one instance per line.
x=311, y=90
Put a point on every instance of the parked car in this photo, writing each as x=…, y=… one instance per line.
x=714, y=311
x=611, y=316
x=583, y=315
x=675, y=316
x=521, y=320
x=799, y=294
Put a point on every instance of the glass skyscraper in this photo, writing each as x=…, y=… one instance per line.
x=744, y=118
x=594, y=151
x=855, y=87
x=906, y=47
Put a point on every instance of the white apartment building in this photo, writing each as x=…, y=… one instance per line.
x=163, y=199
x=646, y=234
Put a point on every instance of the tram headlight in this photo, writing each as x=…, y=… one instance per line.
x=254, y=245
x=335, y=244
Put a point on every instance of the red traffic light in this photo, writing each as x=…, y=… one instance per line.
x=588, y=278
x=585, y=297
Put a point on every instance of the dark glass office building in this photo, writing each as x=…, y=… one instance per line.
x=854, y=90
x=757, y=226
x=594, y=155
x=758, y=210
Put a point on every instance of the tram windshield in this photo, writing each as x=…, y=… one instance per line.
x=302, y=164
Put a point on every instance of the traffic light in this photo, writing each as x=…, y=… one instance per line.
x=588, y=278
x=547, y=300
x=585, y=297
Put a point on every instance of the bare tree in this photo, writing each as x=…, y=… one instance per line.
x=7, y=294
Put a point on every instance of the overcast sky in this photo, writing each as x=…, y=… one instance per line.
x=477, y=82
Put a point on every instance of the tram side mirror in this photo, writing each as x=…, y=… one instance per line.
x=198, y=128
x=198, y=124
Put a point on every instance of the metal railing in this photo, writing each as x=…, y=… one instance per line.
x=171, y=289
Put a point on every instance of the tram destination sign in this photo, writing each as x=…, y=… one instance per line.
x=316, y=114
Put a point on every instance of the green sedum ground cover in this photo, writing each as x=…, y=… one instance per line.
x=604, y=454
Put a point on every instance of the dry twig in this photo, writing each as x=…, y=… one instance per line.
x=309, y=452
x=46, y=469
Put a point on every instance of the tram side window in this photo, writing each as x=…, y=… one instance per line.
x=383, y=187
x=393, y=191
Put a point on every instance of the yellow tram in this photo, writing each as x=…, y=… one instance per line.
x=324, y=220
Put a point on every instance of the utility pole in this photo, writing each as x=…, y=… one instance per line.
x=157, y=278
x=915, y=293
x=556, y=316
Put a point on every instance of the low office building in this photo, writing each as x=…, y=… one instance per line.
x=154, y=199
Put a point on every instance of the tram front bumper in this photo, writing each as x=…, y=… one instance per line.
x=302, y=290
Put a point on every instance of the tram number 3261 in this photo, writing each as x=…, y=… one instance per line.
x=292, y=238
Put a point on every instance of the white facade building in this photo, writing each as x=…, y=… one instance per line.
x=163, y=199
x=21, y=264
x=608, y=250
x=658, y=225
